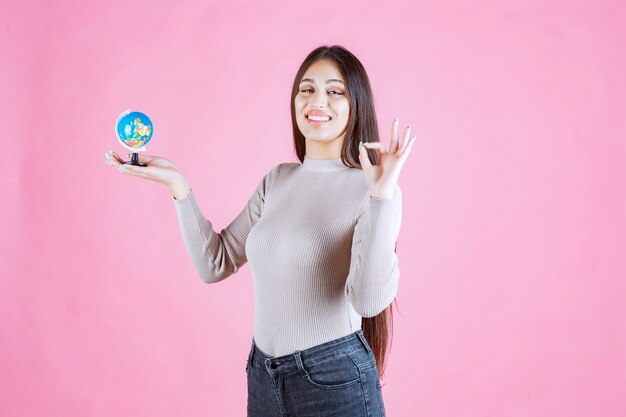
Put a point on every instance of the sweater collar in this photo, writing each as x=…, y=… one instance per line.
x=325, y=165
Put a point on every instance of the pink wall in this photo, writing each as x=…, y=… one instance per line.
x=511, y=300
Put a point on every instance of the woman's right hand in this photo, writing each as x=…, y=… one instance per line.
x=157, y=169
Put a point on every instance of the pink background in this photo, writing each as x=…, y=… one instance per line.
x=511, y=300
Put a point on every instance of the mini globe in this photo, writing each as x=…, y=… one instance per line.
x=134, y=130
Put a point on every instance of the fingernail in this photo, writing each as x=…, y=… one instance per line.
x=360, y=144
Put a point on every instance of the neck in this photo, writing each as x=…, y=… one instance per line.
x=330, y=149
x=323, y=165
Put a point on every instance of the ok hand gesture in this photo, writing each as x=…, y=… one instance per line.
x=382, y=178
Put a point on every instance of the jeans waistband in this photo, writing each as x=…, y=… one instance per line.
x=289, y=363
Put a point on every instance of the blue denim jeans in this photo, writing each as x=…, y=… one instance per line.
x=335, y=379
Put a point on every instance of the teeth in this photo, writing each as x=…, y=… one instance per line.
x=319, y=118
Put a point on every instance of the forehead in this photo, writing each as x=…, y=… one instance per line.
x=322, y=70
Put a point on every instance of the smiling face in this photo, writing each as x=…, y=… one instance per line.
x=322, y=108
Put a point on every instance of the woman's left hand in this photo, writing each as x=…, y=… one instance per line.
x=382, y=178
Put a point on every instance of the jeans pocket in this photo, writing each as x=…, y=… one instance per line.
x=336, y=372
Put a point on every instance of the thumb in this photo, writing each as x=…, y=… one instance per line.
x=363, y=158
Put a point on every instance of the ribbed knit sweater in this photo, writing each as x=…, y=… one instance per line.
x=321, y=252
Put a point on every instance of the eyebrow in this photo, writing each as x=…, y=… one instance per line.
x=327, y=81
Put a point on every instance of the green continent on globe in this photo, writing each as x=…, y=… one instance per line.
x=141, y=132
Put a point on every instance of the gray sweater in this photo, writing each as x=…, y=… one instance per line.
x=321, y=252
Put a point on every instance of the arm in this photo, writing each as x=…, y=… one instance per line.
x=216, y=256
x=372, y=282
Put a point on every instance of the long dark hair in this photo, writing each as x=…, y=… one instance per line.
x=362, y=126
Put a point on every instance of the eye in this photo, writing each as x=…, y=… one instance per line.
x=336, y=93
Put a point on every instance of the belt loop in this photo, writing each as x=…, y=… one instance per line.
x=361, y=337
x=299, y=364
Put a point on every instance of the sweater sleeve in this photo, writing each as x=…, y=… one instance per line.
x=216, y=256
x=372, y=282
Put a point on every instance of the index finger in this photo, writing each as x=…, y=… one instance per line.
x=113, y=158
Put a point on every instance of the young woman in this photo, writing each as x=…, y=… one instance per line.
x=320, y=237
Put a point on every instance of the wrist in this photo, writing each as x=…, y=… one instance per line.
x=180, y=189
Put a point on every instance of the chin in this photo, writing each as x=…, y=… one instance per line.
x=324, y=138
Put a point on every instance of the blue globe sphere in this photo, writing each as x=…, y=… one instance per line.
x=134, y=129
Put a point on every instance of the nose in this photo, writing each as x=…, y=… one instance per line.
x=318, y=100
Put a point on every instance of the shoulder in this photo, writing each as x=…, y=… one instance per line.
x=278, y=171
x=283, y=168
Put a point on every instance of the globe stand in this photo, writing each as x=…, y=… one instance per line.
x=134, y=160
